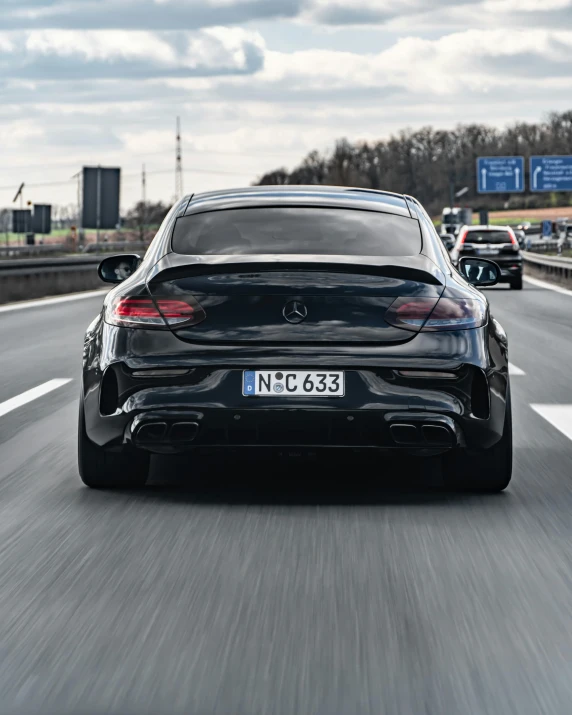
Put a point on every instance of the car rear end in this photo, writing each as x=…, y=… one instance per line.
x=499, y=244
x=301, y=327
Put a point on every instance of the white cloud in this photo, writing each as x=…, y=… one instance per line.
x=61, y=54
x=509, y=15
x=15, y=134
x=506, y=6
x=111, y=95
x=93, y=46
x=221, y=47
x=141, y=14
x=458, y=63
x=424, y=15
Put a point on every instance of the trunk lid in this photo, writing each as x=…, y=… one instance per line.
x=284, y=300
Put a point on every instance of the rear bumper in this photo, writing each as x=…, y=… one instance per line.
x=380, y=410
x=178, y=430
x=510, y=272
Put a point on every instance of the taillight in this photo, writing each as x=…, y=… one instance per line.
x=434, y=314
x=410, y=313
x=162, y=313
x=462, y=236
x=513, y=240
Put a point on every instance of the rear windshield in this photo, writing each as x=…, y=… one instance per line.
x=488, y=237
x=325, y=231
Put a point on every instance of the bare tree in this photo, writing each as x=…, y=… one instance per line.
x=5, y=222
x=145, y=217
x=429, y=163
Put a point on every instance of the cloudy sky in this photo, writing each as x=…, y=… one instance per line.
x=257, y=83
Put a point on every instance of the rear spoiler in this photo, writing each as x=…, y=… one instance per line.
x=414, y=268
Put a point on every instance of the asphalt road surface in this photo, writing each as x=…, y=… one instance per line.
x=220, y=595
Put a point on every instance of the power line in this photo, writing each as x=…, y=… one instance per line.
x=188, y=147
x=33, y=186
x=218, y=152
x=199, y=171
x=137, y=176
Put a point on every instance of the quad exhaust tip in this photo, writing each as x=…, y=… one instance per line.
x=155, y=433
x=422, y=435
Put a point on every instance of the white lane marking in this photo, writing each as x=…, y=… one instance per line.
x=559, y=416
x=30, y=395
x=51, y=301
x=548, y=286
x=514, y=370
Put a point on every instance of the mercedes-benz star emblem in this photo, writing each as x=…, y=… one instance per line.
x=295, y=311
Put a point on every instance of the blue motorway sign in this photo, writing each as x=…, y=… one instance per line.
x=551, y=173
x=547, y=229
x=500, y=174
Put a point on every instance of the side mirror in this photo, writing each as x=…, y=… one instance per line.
x=479, y=271
x=116, y=269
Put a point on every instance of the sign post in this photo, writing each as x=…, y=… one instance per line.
x=500, y=174
x=551, y=173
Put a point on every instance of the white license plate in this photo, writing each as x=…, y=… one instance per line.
x=293, y=383
x=487, y=251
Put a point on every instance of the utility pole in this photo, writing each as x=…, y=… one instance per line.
x=98, y=205
x=143, y=202
x=20, y=194
x=78, y=177
x=452, y=178
x=179, y=164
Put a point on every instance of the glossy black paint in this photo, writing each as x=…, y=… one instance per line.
x=245, y=328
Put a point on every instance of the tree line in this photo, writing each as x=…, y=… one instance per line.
x=434, y=164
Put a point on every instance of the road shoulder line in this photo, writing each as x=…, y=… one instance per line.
x=30, y=395
x=548, y=286
x=559, y=416
x=40, y=302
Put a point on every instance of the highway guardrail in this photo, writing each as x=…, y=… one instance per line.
x=48, y=249
x=39, y=250
x=116, y=247
x=29, y=278
x=549, y=246
x=551, y=268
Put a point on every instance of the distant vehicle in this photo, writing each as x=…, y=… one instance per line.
x=524, y=226
x=563, y=228
x=449, y=240
x=499, y=243
x=322, y=318
x=453, y=219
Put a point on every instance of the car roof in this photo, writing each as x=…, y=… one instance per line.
x=286, y=195
x=488, y=228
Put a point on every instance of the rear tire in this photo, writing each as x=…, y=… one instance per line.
x=516, y=283
x=487, y=470
x=101, y=469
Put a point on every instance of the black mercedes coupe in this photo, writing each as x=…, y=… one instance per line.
x=296, y=317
